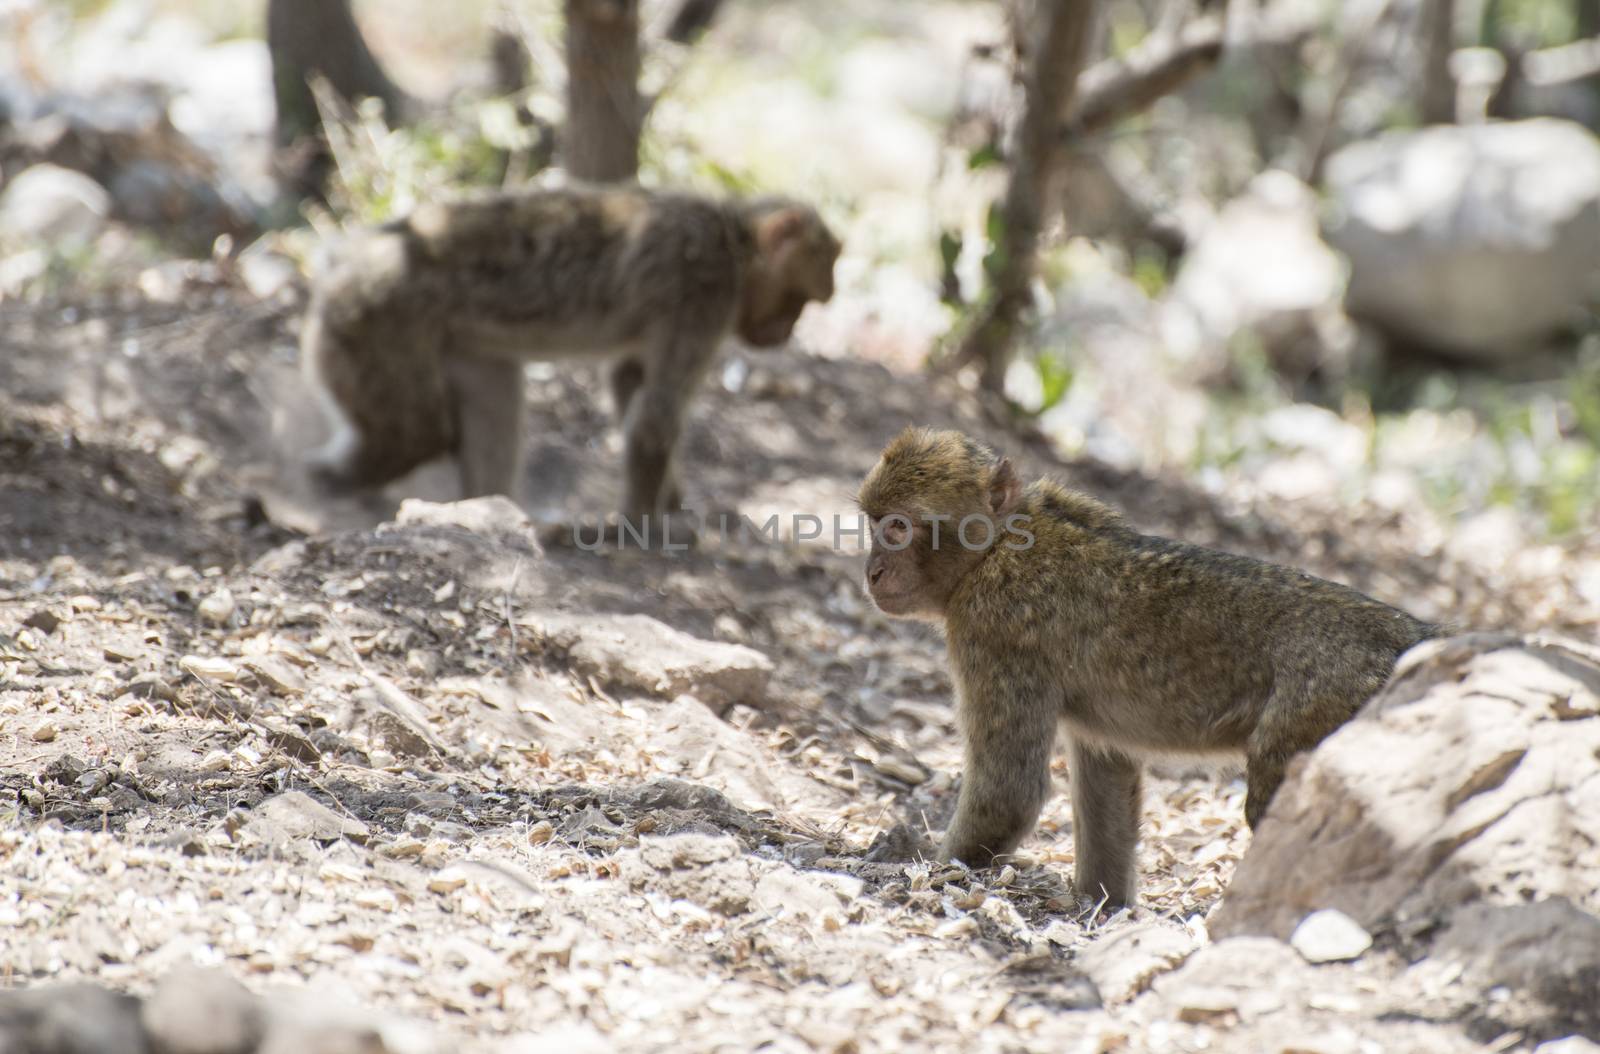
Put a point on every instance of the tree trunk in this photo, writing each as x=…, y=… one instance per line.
x=1588, y=20
x=604, y=113
x=307, y=37
x=1438, y=102
x=605, y=116
x=1061, y=31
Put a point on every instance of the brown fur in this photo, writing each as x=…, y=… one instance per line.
x=1135, y=644
x=417, y=333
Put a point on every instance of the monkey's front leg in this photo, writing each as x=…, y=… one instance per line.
x=1106, y=801
x=626, y=377
x=1009, y=727
x=650, y=437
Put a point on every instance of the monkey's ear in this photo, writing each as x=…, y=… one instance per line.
x=779, y=226
x=1005, y=489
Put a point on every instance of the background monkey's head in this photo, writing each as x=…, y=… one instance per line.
x=795, y=253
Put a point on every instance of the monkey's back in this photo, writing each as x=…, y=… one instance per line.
x=545, y=259
x=1206, y=636
x=536, y=266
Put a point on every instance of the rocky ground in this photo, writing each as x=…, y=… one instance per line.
x=455, y=779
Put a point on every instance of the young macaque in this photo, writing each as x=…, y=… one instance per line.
x=1057, y=613
x=417, y=332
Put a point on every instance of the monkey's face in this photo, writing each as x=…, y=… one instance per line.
x=937, y=503
x=919, y=558
x=903, y=574
x=795, y=254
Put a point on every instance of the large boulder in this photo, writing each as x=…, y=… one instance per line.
x=1478, y=241
x=1460, y=811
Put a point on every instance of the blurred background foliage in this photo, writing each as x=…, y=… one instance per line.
x=1193, y=307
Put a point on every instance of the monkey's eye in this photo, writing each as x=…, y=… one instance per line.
x=893, y=530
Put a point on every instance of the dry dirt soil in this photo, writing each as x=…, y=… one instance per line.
x=498, y=792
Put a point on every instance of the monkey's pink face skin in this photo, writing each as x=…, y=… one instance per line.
x=894, y=577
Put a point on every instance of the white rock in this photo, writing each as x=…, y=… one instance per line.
x=1201, y=1005
x=1124, y=962
x=296, y=815
x=1335, y=1040
x=55, y=205
x=1475, y=240
x=1246, y=975
x=266, y=274
x=275, y=674
x=691, y=740
x=496, y=517
x=1464, y=793
x=642, y=654
x=19, y=270
x=1328, y=936
x=218, y=607
x=1484, y=742
x=209, y=668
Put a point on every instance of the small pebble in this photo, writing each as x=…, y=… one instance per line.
x=218, y=607
x=1329, y=936
x=447, y=881
x=1201, y=1004
x=208, y=668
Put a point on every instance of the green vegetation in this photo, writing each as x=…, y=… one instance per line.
x=384, y=172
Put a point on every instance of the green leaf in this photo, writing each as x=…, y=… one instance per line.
x=1055, y=378
x=983, y=157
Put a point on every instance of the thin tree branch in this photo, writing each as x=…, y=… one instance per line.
x=1564, y=64
x=1061, y=36
x=1118, y=88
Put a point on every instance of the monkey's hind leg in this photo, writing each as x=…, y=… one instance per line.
x=488, y=410
x=1106, y=802
x=1288, y=726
